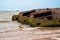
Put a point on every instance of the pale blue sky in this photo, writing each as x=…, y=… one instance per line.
x=8, y=5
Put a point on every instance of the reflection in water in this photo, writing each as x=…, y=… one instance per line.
x=11, y=31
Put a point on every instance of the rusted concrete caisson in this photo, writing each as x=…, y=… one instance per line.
x=42, y=17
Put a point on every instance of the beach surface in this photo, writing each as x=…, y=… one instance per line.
x=10, y=30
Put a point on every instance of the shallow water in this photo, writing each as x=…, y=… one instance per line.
x=11, y=31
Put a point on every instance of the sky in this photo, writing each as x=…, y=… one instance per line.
x=12, y=5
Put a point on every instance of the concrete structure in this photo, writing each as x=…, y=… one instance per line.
x=42, y=14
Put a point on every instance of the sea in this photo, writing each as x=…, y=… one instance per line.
x=10, y=30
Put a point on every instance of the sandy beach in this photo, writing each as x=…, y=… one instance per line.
x=27, y=34
x=12, y=31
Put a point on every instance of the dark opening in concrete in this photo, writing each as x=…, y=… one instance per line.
x=38, y=23
x=49, y=17
x=42, y=14
x=28, y=13
x=16, y=18
x=25, y=14
x=59, y=20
